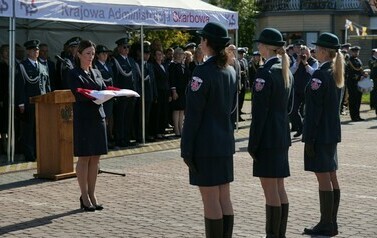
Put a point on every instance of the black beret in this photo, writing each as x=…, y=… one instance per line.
x=74, y=41
x=298, y=42
x=355, y=48
x=190, y=45
x=101, y=49
x=271, y=36
x=346, y=45
x=241, y=50
x=256, y=53
x=327, y=40
x=122, y=41
x=32, y=44
x=215, y=32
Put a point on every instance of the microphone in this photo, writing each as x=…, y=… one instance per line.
x=66, y=62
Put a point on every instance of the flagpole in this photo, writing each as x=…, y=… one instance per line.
x=345, y=35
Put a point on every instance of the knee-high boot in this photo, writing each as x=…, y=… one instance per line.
x=214, y=228
x=228, y=221
x=325, y=225
x=273, y=217
x=335, y=210
x=284, y=219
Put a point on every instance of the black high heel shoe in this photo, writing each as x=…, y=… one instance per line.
x=85, y=208
x=98, y=207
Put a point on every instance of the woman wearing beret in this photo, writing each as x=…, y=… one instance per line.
x=89, y=127
x=322, y=130
x=207, y=144
x=269, y=139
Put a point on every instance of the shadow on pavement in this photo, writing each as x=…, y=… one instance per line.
x=35, y=222
x=22, y=183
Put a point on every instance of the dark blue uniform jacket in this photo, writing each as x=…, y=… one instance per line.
x=210, y=98
x=322, y=122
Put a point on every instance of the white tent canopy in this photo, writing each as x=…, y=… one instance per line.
x=161, y=13
x=55, y=21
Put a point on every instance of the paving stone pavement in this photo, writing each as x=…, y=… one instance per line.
x=155, y=199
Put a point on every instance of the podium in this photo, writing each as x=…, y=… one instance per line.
x=54, y=132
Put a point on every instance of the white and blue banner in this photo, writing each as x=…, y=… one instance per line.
x=162, y=13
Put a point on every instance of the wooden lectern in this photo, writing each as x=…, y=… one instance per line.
x=54, y=130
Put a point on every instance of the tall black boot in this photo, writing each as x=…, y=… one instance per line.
x=335, y=211
x=228, y=221
x=273, y=217
x=214, y=228
x=284, y=219
x=325, y=225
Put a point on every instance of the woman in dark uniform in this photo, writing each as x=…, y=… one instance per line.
x=207, y=144
x=269, y=139
x=89, y=127
x=322, y=130
x=179, y=76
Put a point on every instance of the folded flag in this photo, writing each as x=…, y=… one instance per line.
x=102, y=96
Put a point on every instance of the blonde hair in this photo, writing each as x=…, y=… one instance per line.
x=338, y=67
x=284, y=63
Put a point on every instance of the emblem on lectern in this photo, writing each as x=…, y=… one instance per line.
x=66, y=113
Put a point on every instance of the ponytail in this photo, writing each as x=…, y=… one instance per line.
x=338, y=68
x=284, y=65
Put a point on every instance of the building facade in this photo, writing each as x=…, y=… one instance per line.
x=307, y=19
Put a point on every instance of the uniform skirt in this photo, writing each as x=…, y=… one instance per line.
x=271, y=163
x=212, y=171
x=325, y=160
x=89, y=137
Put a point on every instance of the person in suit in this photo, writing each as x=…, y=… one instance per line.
x=32, y=79
x=302, y=70
x=373, y=76
x=63, y=69
x=126, y=76
x=89, y=127
x=207, y=144
x=179, y=76
x=105, y=68
x=150, y=91
x=354, y=71
x=269, y=138
x=244, y=76
x=4, y=96
x=45, y=60
x=254, y=64
x=322, y=131
x=163, y=92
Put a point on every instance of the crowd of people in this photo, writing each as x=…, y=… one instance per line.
x=199, y=91
x=166, y=74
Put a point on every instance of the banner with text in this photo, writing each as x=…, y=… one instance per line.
x=107, y=13
x=6, y=7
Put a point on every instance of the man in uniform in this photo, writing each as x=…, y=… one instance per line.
x=302, y=71
x=244, y=76
x=354, y=71
x=126, y=76
x=32, y=79
x=191, y=46
x=254, y=64
x=69, y=61
x=45, y=60
x=373, y=76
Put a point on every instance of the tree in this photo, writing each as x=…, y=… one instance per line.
x=246, y=18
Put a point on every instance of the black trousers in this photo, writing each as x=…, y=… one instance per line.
x=28, y=133
x=354, y=101
x=296, y=114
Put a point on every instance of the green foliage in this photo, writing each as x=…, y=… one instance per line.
x=246, y=18
x=168, y=38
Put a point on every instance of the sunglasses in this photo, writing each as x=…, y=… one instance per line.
x=126, y=47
